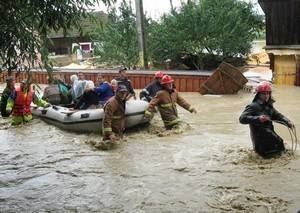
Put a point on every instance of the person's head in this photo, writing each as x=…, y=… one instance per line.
x=100, y=79
x=122, y=72
x=25, y=84
x=264, y=91
x=114, y=85
x=122, y=92
x=158, y=75
x=81, y=76
x=10, y=82
x=73, y=78
x=167, y=82
x=90, y=85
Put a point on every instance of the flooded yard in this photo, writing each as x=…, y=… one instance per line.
x=207, y=165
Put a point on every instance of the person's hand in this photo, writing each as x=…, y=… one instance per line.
x=193, y=110
x=113, y=138
x=290, y=124
x=134, y=97
x=8, y=110
x=264, y=118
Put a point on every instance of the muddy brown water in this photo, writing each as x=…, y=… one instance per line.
x=207, y=165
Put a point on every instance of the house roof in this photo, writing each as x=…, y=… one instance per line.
x=86, y=26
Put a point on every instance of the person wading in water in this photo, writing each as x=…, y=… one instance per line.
x=259, y=115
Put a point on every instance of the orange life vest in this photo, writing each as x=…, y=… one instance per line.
x=22, y=102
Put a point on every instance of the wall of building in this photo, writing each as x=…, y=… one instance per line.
x=183, y=82
x=285, y=69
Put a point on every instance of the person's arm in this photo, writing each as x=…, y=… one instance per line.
x=39, y=101
x=183, y=103
x=249, y=115
x=149, y=113
x=11, y=101
x=130, y=89
x=280, y=117
x=102, y=88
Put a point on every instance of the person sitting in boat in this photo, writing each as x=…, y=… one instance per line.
x=123, y=79
x=114, y=85
x=166, y=100
x=114, y=115
x=52, y=93
x=10, y=87
x=20, y=100
x=104, y=90
x=259, y=115
x=151, y=89
x=77, y=89
x=89, y=99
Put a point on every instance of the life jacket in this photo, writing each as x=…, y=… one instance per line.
x=22, y=102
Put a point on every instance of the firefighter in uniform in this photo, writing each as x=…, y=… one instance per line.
x=259, y=115
x=166, y=100
x=114, y=115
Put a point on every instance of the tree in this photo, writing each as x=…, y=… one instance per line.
x=25, y=24
x=116, y=42
x=204, y=30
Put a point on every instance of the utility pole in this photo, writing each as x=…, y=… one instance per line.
x=141, y=33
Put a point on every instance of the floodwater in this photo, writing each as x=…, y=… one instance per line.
x=207, y=165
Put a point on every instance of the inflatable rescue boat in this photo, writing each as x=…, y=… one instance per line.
x=89, y=120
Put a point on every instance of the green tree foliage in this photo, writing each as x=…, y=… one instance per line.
x=116, y=42
x=25, y=24
x=212, y=27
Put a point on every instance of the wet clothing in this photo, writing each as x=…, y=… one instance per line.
x=19, y=102
x=150, y=90
x=3, y=102
x=114, y=117
x=88, y=99
x=166, y=103
x=264, y=138
x=104, y=91
x=52, y=94
x=127, y=83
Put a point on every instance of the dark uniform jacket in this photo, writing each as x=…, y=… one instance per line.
x=166, y=103
x=265, y=140
x=150, y=90
x=114, y=117
x=5, y=95
x=127, y=83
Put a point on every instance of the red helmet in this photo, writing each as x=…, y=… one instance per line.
x=263, y=87
x=166, y=79
x=159, y=74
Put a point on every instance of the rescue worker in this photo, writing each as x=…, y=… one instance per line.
x=122, y=79
x=19, y=103
x=10, y=87
x=166, y=100
x=151, y=89
x=259, y=115
x=114, y=115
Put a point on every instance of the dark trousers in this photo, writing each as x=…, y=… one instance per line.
x=268, y=143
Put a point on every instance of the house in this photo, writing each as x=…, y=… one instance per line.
x=283, y=39
x=64, y=44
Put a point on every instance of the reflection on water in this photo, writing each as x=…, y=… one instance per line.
x=205, y=165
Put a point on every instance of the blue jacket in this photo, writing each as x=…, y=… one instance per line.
x=104, y=91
